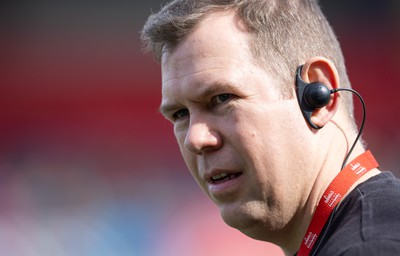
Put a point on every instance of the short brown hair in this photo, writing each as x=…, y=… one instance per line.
x=286, y=34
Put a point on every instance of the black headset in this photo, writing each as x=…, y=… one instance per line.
x=316, y=95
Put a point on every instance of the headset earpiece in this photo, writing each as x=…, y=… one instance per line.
x=311, y=96
x=316, y=95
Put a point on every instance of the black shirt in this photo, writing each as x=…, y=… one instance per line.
x=367, y=222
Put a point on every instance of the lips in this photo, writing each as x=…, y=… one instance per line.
x=224, y=185
x=223, y=177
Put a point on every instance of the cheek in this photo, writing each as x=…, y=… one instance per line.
x=252, y=131
x=269, y=137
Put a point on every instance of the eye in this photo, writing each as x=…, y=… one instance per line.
x=180, y=114
x=222, y=98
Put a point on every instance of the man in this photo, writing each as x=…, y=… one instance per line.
x=228, y=71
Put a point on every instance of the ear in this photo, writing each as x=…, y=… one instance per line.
x=320, y=69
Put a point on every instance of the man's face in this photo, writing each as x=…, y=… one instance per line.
x=247, y=148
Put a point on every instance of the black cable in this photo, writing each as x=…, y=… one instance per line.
x=361, y=126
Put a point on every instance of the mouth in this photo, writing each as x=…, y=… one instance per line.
x=223, y=177
x=224, y=186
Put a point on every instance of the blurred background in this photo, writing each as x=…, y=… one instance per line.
x=89, y=167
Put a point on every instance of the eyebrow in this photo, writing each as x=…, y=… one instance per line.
x=215, y=89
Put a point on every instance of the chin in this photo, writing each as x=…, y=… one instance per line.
x=253, y=220
x=248, y=220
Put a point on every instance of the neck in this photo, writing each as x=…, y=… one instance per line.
x=329, y=170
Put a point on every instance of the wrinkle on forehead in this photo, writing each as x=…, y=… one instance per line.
x=178, y=68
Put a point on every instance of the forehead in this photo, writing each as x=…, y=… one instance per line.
x=218, y=39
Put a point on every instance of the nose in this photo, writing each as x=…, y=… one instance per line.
x=201, y=137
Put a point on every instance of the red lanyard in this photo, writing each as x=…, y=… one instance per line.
x=332, y=196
